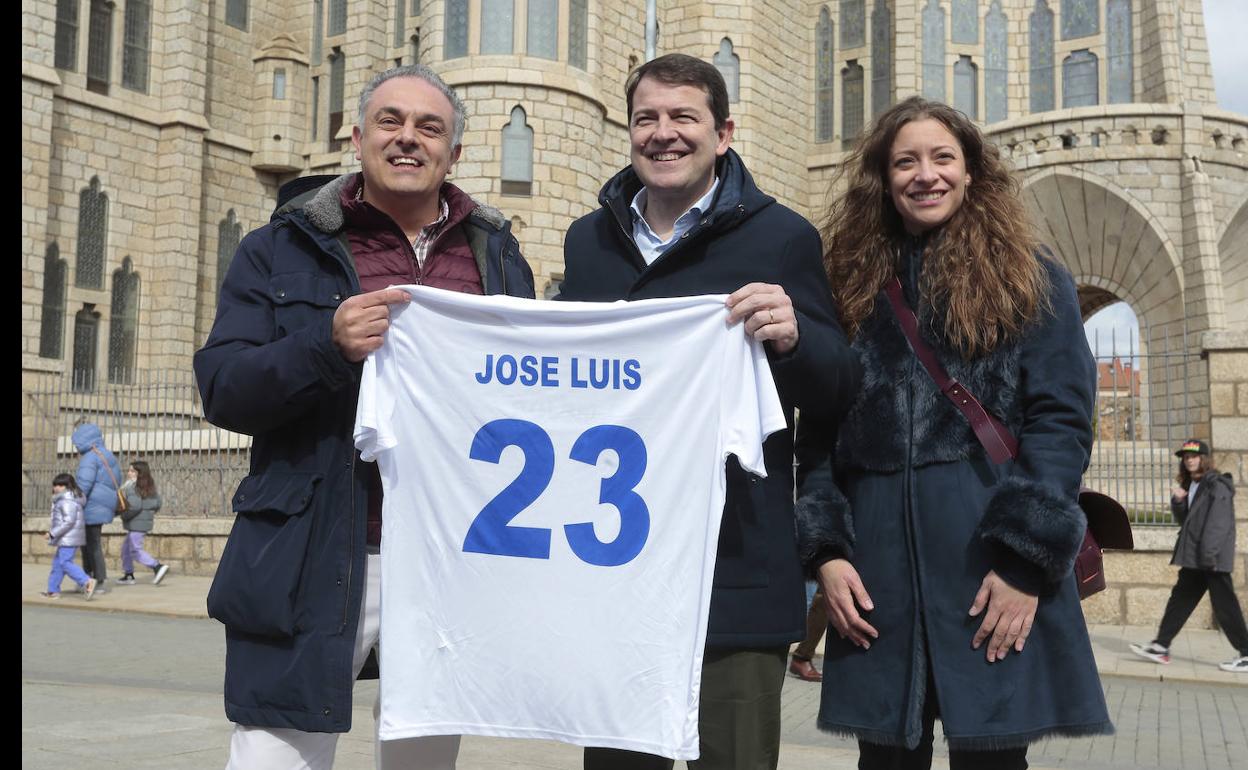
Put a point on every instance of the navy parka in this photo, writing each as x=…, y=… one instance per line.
x=290, y=581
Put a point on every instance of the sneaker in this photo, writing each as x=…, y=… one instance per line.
x=161, y=571
x=89, y=588
x=1153, y=651
x=1237, y=666
x=127, y=580
x=101, y=587
x=48, y=595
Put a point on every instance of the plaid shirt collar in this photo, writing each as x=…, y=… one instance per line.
x=428, y=233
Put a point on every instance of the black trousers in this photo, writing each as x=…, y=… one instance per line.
x=738, y=716
x=1187, y=593
x=872, y=756
x=93, y=554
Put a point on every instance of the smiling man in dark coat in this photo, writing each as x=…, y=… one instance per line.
x=304, y=303
x=685, y=218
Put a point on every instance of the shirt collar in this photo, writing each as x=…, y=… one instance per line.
x=638, y=206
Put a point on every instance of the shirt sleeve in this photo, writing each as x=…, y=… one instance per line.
x=750, y=408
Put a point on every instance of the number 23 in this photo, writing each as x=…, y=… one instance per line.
x=490, y=532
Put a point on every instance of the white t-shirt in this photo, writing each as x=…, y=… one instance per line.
x=515, y=603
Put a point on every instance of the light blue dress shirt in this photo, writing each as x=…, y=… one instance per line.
x=651, y=245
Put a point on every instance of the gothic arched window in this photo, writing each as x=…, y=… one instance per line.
x=123, y=331
x=517, y=165
x=52, y=320
x=934, y=51
x=136, y=48
x=852, y=103
x=966, y=21
x=86, y=339
x=578, y=33
x=1080, y=18
x=1120, y=48
x=543, y=33
x=337, y=97
x=881, y=57
x=1041, y=69
x=229, y=233
x=823, y=77
x=456, y=40
x=92, y=236
x=1080, y=86
x=66, y=41
x=729, y=65
x=996, y=64
x=966, y=87
x=498, y=24
x=853, y=23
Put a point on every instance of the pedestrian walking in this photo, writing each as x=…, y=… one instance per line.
x=67, y=533
x=1203, y=502
x=800, y=664
x=99, y=478
x=142, y=503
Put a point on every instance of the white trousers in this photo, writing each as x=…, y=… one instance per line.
x=272, y=748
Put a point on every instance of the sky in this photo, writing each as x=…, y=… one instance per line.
x=1226, y=22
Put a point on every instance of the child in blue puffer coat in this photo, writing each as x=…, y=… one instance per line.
x=67, y=533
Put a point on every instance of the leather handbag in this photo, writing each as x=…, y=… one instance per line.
x=122, y=505
x=1108, y=526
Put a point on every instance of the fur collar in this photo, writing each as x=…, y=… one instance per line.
x=323, y=208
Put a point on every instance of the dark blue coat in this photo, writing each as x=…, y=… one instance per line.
x=924, y=515
x=290, y=581
x=98, y=475
x=758, y=599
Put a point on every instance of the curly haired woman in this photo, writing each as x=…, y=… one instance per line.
x=948, y=576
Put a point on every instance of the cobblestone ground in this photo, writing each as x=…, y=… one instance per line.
x=116, y=690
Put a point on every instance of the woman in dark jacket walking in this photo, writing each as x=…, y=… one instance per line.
x=938, y=564
x=142, y=503
x=1203, y=502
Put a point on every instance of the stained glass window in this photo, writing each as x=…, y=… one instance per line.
x=279, y=83
x=337, y=17
x=852, y=105
x=400, y=23
x=543, y=35
x=996, y=64
x=229, y=234
x=1120, y=50
x=86, y=339
x=456, y=43
x=498, y=22
x=337, y=89
x=966, y=87
x=100, y=46
x=823, y=77
x=1080, y=18
x=66, y=43
x=123, y=330
x=92, y=236
x=966, y=21
x=729, y=65
x=517, y=165
x=934, y=51
x=881, y=58
x=136, y=46
x=235, y=13
x=318, y=31
x=853, y=23
x=1080, y=86
x=1041, y=69
x=52, y=321
x=578, y=33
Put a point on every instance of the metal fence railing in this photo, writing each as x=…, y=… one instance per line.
x=156, y=417
x=1152, y=394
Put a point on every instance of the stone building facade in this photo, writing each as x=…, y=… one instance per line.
x=155, y=133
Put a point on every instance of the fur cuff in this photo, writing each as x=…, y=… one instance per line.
x=1036, y=522
x=824, y=524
